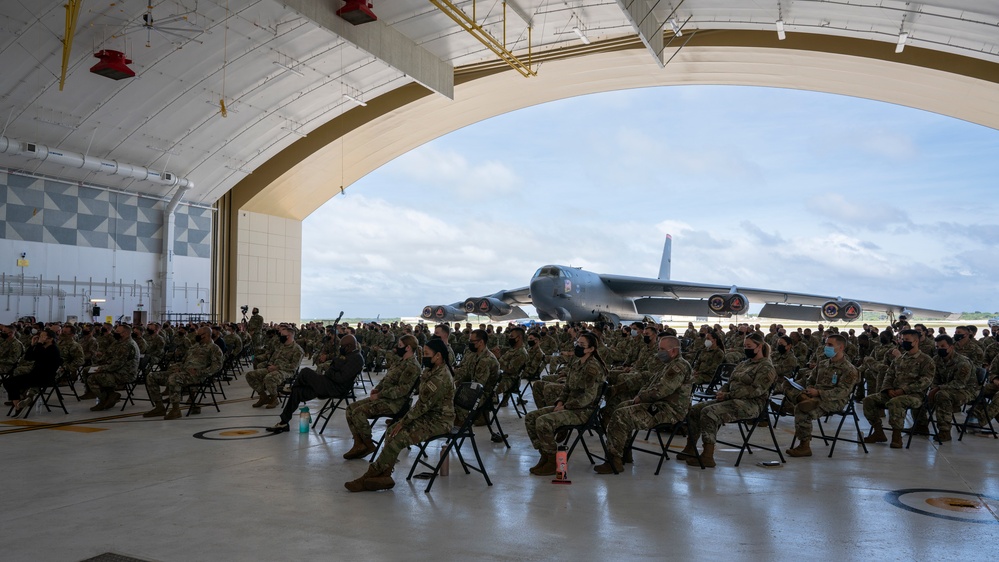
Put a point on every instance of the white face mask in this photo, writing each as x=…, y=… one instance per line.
x=708, y=344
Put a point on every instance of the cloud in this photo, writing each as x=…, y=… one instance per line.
x=761, y=237
x=452, y=171
x=873, y=215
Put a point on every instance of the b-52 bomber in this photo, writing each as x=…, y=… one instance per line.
x=571, y=294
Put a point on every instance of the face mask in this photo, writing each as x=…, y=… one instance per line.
x=511, y=342
x=708, y=344
x=750, y=353
x=427, y=363
x=907, y=345
x=117, y=336
x=942, y=352
x=647, y=339
x=830, y=351
x=578, y=351
x=400, y=351
x=531, y=343
x=958, y=337
x=782, y=349
x=634, y=333
x=663, y=356
x=4, y=335
x=150, y=332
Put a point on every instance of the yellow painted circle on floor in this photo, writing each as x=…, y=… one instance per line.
x=238, y=432
x=962, y=505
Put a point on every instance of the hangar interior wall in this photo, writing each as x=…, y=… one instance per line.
x=84, y=242
x=269, y=266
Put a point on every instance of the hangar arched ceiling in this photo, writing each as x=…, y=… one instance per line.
x=286, y=71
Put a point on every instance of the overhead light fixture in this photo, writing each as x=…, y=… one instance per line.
x=289, y=69
x=582, y=36
x=357, y=12
x=675, y=26
x=355, y=100
x=902, y=38
x=780, y=30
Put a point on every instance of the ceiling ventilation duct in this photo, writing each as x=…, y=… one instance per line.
x=113, y=65
x=357, y=12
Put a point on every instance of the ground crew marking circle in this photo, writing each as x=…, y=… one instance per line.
x=233, y=433
x=952, y=505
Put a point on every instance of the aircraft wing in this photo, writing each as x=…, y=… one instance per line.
x=654, y=296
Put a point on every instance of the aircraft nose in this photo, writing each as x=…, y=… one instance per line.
x=543, y=287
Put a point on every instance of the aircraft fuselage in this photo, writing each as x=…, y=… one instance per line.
x=574, y=295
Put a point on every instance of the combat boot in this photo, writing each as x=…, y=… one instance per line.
x=358, y=485
x=707, y=457
x=877, y=435
x=896, y=439
x=88, y=395
x=547, y=469
x=363, y=446
x=920, y=429
x=943, y=436
x=101, y=400
x=174, y=413
x=261, y=400
x=380, y=481
x=112, y=399
x=275, y=401
x=541, y=462
x=157, y=411
x=613, y=465
x=689, y=451
x=627, y=458
x=802, y=450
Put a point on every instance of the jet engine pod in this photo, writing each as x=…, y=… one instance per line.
x=428, y=312
x=469, y=305
x=442, y=313
x=851, y=311
x=491, y=307
x=717, y=304
x=737, y=303
x=831, y=310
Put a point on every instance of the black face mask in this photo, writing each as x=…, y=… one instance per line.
x=150, y=332
x=750, y=353
x=782, y=349
x=283, y=339
x=400, y=351
x=578, y=351
x=531, y=343
x=511, y=342
x=428, y=363
x=647, y=339
x=958, y=337
x=116, y=335
x=942, y=352
x=907, y=345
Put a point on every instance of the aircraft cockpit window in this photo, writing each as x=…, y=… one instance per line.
x=549, y=272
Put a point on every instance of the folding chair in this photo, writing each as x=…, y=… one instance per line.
x=722, y=373
x=931, y=421
x=849, y=410
x=491, y=412
x=394, y=417
x=592, y=425
x=140, y=379
x=44, y=394
x=334, y=403
x=201, y=390
x=663, y=452
x=984, y=427
x=747, y=427
x=468, y=396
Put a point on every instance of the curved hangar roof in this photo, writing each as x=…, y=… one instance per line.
x=293, y=76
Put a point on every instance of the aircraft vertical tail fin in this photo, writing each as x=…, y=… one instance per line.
x=667, y=259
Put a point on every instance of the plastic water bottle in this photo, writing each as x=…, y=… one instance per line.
x=304, y=420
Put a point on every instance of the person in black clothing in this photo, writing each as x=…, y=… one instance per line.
x=336, y=382
x=45, y=354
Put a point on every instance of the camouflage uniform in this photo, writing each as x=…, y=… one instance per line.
x=393, y=392
x=233, y=344
x=121, y=365
x=664, y=399
x=72, y=356
x=287, y=358
x=835, y=381
x=970, y=349
x=481, y=367
x=205, y=358
x=746, y=393
x=707, y=363
x=11, y=351
x=513, y=364
x=577, y=396
x=910, y=373
x=535, y=362
x=255, y=328
x=155, y=345
x=431, y=415
x=956, y=384
x=90, y=349
x=989, y=392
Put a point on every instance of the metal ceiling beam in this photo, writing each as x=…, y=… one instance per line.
x=639, y=15
x=384, y=43
x=72, y=16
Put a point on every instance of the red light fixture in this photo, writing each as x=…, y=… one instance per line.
x=357, y=12
x=112, y=65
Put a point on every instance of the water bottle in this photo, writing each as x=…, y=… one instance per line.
x=304, y=420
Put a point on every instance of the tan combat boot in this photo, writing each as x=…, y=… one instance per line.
x=380, y=481
x=363, y=446
x=547, y=469
x=921, y=429
x=275, y=401
x=802, y=450
x=896, y=439
x=541, y=462
x=613, y=465
x=943, y=435
x=157, y=411
x=174, y=412
x=261, y=400
x=358, y=485
x=688, y=452
x=707, y=457
x=877, y=435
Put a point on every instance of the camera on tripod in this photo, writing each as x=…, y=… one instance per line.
x=244, y=309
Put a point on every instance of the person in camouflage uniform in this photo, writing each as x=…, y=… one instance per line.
x=904, y=387
x=965, y=344
x=743, y=396
x=255, y=327
x=431, y=415
x=711, y=356
x=827, y=389
x=281, y=364
x=513, y=363
x=71, y=353
x=155, y=344
x=389, y=396
x=203, y=359
x=665, y=398
x=119, y=365
x=477, y=365
x=573, y=406
x=11, y=350
x=954, y=384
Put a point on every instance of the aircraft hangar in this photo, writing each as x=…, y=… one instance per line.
x=161, y=156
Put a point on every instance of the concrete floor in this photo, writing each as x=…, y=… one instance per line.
x=149, y=489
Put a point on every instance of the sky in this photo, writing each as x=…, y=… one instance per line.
x=767, y=188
